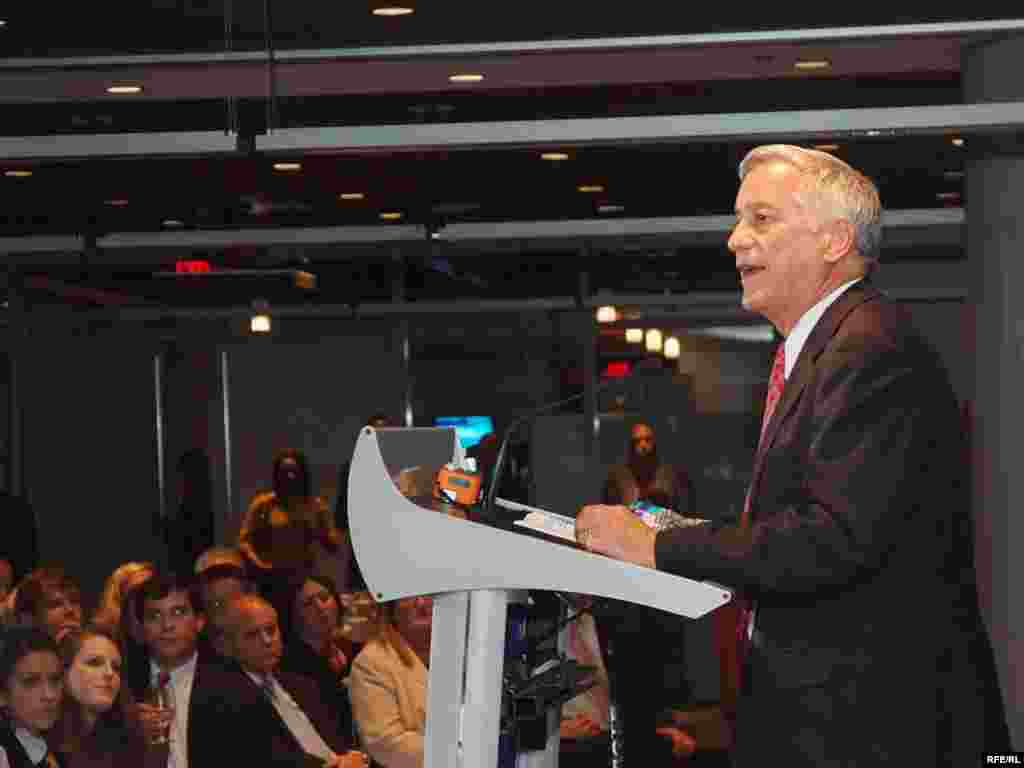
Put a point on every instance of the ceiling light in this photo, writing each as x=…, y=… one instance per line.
x=958, y=142
x=826, y=147
x=117, y=202
x=812, y=65
x=466, y=77
x=351, y=196
x=392, y=10
x=173, y=223
x=607, y=314
x=609, y=208
x=671, y=350
x=124, y=89
x=946, y=197
x=259, y=322
x=18, y=173
x=288, y=167
x=554, y=156
x=590, y=188
x=756, y=333
x=3, y=23
x=391, y=215
x=634, y=335
x=652, y=340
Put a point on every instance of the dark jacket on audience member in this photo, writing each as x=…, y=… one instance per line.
x=300, y=659
x=233, y=723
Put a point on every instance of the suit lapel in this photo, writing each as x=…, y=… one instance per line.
x=802, y=372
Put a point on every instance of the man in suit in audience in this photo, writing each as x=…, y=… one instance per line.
x=247, y=711
x=169, y=612
x=866, y=643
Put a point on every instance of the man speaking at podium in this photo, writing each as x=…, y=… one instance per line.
x=858, y=629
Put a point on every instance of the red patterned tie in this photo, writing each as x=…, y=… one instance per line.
x=732, y=665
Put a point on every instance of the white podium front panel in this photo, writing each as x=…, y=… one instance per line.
x=406, y=549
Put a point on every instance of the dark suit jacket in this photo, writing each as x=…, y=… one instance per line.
x=870, y=647
x=233, y=723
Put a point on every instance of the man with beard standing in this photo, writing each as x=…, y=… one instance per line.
x=644, y=648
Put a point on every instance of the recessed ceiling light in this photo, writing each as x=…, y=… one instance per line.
x=812, y=65
x=3, y=23
x=18, y=173
x=958, y=142
x=117, y=202
x=124, y=89
x=826, y=147
x=947, y=196
x=610, y=208
x=607, y=314
x=288, y=167
x=351, y=196
x=392, y=10
x=872, y=133
x=554, y=156
x=173, y=223
x=391, y=215
x=590, y=188
x=466, y=77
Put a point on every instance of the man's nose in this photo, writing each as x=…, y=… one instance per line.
x=738, y=238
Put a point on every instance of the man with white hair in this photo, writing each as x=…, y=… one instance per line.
x=249, y=711
x=860, y=634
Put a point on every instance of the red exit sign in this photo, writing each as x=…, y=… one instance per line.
x=191, y=266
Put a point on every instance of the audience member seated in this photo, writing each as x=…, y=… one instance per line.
x=50, y=600
x=119, y=584
x=282, y=529
x=249, y=710
x=31, y=686
x=93, y=730
x=315, y=647
x=221, y=578
x=168, y=610
x=388, y=684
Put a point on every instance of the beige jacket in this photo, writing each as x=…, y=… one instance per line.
x=389, y=702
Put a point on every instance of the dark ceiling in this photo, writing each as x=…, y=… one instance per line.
x=206, y=67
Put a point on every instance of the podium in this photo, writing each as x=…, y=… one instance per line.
x=408, y=544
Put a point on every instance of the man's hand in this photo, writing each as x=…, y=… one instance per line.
x=616, y=532
x=349, y=760
x=683, y=744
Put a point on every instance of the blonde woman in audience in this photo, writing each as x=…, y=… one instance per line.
x=118, y=586
x=388, y=684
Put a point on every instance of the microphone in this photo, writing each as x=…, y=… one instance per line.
x=499, y=463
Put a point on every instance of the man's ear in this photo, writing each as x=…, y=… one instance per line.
x=838, y=239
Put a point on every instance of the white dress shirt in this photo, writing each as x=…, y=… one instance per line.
x=35, y=746
x=802, y=330
x=181, y=693
x=297, y=722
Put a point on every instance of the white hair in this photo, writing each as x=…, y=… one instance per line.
x=836, y=190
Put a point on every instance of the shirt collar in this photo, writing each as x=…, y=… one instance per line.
x=182, y=669
x=35, y=746
x=802, y=330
